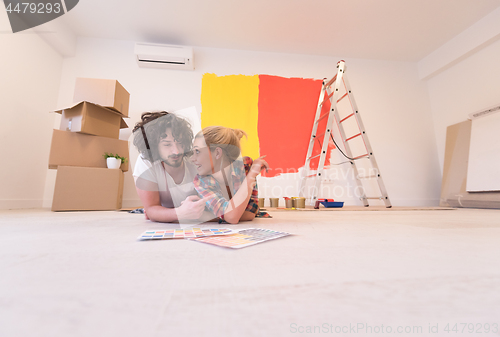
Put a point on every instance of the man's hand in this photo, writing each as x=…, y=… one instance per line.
x=191, y=208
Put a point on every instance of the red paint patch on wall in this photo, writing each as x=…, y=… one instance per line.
x=286, y=115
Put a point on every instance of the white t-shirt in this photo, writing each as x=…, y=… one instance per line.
x=141, y=165
x=154, y=178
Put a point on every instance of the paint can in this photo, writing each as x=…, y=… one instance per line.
x=261, y=202
x=274, y=202
x=288, y=202
x=300, y=202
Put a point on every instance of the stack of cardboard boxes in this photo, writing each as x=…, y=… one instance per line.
x=88, y=129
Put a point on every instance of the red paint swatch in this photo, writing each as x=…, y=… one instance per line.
x=286, y=115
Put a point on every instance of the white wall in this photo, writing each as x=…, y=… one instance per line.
x=392, y=100
x=30, y=72
x=464, y=87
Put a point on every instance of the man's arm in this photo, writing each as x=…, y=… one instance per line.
x=153, y=208
x=191, y=208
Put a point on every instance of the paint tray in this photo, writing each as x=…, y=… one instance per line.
x=331, y=204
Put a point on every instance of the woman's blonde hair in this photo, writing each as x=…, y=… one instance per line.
x=226, y=138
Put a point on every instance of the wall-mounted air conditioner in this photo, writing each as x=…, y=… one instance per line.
x=484, y=112
x=164, y=56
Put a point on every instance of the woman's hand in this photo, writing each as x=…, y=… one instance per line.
x=258, y=165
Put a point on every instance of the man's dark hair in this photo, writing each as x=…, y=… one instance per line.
x=151, y=130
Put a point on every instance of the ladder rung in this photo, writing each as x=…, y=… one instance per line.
x=364, y=155
x=341, y=98
x=359, y=134
x=330, y=96
x=311, y=175
x=323, y=116
x=314, y=157
x=319, y=135
x=346, y=117
x=331, y=81
x=381, y=198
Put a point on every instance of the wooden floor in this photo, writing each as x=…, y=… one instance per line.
x=85, y=274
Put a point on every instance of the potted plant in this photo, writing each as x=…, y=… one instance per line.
x=114, y=161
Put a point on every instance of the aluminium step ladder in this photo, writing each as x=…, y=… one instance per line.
x=331, y=91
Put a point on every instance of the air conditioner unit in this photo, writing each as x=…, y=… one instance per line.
x=484, y=112
x=164, y=56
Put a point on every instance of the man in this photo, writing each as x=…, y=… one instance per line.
x=163, y=175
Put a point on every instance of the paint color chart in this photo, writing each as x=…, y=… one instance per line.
x=244, y=238
x=184, y=233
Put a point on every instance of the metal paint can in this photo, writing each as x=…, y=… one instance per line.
x=300, y=202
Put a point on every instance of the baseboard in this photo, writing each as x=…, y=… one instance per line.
x=21, y=204
x=471, y=203
x=415, y=202
x=128, y=203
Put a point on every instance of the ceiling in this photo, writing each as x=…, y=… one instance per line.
x=404, y=30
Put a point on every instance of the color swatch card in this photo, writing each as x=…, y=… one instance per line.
x=184, y=233
x=243, y=238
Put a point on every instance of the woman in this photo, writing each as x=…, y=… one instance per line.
x=225, y=180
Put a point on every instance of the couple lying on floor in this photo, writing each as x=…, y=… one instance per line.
x=202, y=178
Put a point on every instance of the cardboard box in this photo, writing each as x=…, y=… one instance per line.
x=92, y=119
x=107, y=93
x=87, y=189
x=76, y=149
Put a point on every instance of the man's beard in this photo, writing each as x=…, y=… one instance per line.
x=173, y=163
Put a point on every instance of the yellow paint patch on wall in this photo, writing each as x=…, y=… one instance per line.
x=232, y=101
